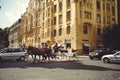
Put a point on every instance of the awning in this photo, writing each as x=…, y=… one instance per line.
x=86, y=44
x=100, y=45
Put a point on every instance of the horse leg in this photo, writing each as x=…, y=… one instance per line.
x=48, y=55
x=43, y=57
x=39, y=57
x=32, y=55
x=34, y=58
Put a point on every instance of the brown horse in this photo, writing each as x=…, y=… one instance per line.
x=44, y=52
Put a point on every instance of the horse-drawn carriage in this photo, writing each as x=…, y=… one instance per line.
x=48, y=54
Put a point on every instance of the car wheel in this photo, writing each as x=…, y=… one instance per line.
x=22, y=58
x=106, y=60
x=91, y=58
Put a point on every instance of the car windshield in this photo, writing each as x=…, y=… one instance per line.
x=9, y=50
x=117, y=53
x=2, y=50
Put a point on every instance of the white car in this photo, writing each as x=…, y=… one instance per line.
x=112, y=57
x=12, y=53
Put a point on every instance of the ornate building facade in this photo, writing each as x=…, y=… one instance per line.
x=72, y=23
x=14, y=34
x=30, y=29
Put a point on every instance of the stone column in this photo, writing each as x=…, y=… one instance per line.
x=75, y=22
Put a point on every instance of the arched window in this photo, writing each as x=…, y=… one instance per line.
x=60, y=31
x=68, y=29
x=55, y=32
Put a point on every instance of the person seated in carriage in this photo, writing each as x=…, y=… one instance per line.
x=44, y=45
x=55, y=48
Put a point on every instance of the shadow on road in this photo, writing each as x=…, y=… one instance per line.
x=72, y=65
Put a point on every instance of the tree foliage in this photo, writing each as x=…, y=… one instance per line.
x=111, y=37
x=4, y=36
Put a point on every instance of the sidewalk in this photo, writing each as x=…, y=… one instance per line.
x=83, y=56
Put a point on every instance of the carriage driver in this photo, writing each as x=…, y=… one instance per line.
x=55, y=48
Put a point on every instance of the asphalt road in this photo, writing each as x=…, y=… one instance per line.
x=82, y=69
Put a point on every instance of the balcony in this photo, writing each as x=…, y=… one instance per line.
x=87, y=21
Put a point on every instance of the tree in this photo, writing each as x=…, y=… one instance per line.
x=111, y=37
x=1, y=34
x=4, y=37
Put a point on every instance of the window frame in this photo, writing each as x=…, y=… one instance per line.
x=68, y=29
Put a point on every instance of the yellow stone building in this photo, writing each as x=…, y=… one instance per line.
x=31, y=24
x=72, y=23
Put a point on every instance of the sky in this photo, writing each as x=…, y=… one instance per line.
x=11, y=11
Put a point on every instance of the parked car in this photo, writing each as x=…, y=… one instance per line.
x=112, y=57
x=97, y=54
x=12, y=53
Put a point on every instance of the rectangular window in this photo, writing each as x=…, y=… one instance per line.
x=60, y=5
x=104, y=20
x=55, y=8
x=60, y=31
x=98, y=18
x=36, y=23
x=36, y=14
x=113, y=10
x=43, y=15
x=85, y=14
x=48, y=11
x=68, y=15
x=103, y=6
x=108, y=19
x=90, y=15
x=55, y=21
x=98, y=4
x=68, y=30
x=108, y=6
x=80, y=14
x=68, y=3
x=48, y=22
x=60, y=18
x=85, y=30
x=42, y=34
